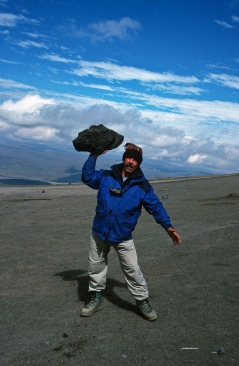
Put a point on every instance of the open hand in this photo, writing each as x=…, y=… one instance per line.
x=174, y=236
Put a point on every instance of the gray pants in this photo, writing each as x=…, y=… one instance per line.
x=98, y=265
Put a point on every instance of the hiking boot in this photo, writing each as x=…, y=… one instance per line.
x=94, y=304
x=146, y=309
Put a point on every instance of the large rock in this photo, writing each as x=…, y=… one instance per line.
x=97, y=139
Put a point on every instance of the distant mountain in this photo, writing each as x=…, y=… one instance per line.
x=37, y=164
x=73, y=178
x=22, y=182
x=45, y=165
x=164, y=169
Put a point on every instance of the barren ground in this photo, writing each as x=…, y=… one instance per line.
x=194, y=288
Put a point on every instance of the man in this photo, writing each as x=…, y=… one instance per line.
x=122, y=191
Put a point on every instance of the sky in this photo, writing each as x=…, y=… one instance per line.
x=163, y=73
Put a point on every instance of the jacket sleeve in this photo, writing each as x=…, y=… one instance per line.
x=154, y=207
x=90, y=176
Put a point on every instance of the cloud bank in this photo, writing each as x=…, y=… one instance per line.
x=57, y=123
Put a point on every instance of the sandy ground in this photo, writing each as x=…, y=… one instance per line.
x=194, y=288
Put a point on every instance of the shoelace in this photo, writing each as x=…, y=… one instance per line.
x=145, y=306
x=91, y=302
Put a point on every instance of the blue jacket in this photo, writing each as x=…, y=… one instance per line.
x=119, y=203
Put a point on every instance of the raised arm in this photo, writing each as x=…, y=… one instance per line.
x=90, y=176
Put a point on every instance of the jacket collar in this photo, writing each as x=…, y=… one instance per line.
x=117, y=169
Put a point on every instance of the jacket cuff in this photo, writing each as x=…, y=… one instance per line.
x=166, y=227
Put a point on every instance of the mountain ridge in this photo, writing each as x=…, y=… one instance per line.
x=22, y=165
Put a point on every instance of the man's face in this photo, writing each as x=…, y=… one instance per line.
x=129, y=167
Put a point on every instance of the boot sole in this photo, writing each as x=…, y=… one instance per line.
x=151, y=319
x=90, y=313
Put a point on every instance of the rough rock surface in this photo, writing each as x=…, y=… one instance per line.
x=97, y=139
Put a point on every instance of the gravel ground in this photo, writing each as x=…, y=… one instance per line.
x=194, y=288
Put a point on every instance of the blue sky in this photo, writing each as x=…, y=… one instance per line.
x=164, y=73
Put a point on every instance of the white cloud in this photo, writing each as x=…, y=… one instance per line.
x=22, y=119
x=12, y=20
x=112, y=71
x=188, y=109
x=27, y=44
x=224, y=24
x=108, y=30
x=188, y=139
x=9, y=62
x=39, y=133
x=94, y=86
x=34, y=35
x=8, y=83
x=56, y=58
x=85, y=85
x=176, y=89
x=230, y=81
x=4, y=126
x=167, y=82
x=235, y=19
x=197, y=158
x=113, y=29
x=29, y=104
x=217, y=66
x=164, y=140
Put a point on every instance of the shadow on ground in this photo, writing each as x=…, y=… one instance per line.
x=108, y=293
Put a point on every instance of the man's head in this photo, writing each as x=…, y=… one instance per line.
x=132, y=158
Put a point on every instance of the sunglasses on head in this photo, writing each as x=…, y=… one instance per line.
x=129, y=146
